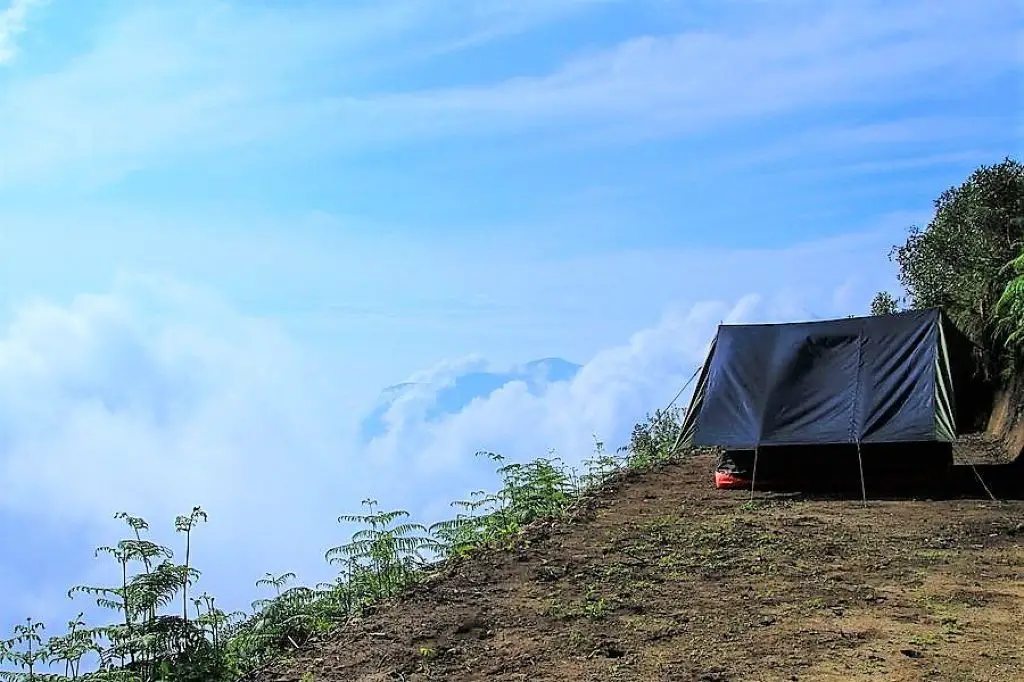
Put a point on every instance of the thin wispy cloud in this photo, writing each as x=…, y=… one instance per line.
x=195, y=78
x=13, y=22
x=191, y=79
x=698, y=80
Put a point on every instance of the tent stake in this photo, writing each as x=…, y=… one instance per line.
x=863, y=488
x=753, y=477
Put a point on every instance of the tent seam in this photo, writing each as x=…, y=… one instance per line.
x=854, y=430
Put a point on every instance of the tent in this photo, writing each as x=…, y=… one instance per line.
x=797, y=388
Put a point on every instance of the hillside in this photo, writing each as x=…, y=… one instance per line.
x=664, y=578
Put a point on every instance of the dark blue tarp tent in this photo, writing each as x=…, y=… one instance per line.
x=878, y=379
x=884, y=379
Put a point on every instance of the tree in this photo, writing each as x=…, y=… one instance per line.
x=958, y=261
x=883, y=303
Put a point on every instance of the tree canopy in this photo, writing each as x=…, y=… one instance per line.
x=958, y=262
x=884, y=303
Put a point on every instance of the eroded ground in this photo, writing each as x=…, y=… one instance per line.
x=666, y=578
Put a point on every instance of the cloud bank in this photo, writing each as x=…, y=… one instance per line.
x=153, y=397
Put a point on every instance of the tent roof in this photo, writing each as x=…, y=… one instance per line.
x=885, y=378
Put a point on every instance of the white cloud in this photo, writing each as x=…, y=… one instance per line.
x=13, y=22
x=152, y=399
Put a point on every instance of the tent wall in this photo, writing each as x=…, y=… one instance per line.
x=945, y=422
x=879, y=379
x=973, y=394
x=689, y=426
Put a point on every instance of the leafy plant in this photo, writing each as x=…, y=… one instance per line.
x=883, y=303
x=185, y=524
x=26, y=651
x=653, y=441
x=385, y=555
x=146, y=644
x=1010, y=308
x=72, y=647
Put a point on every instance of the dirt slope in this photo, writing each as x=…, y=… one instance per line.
x=669, y=579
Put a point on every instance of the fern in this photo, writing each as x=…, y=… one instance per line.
x=26, y=651
x=185, y=524
x=1009, y=310
x=72, y=647
x=385, y=555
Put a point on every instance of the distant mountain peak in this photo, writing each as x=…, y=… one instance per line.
x=453, y=396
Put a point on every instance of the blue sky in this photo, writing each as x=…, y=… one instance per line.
x=226, y=226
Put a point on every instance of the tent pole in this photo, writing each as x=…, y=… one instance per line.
x=982, y=480
x=863, y=488
x=753, y=477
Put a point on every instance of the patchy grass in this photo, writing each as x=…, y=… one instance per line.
x=661, y=577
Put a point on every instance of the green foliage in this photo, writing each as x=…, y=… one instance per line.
x=26, y=650
x=185, y=524
x=145, y=643
x=162, y=634
x=385, y=556
x=957, y=262
x=883, y=303
x=289, y=618
x=652, y=441
x=1010, y=310
x=538, y=489
x=72, y=647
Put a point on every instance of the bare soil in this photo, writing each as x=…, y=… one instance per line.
x=666, y=578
